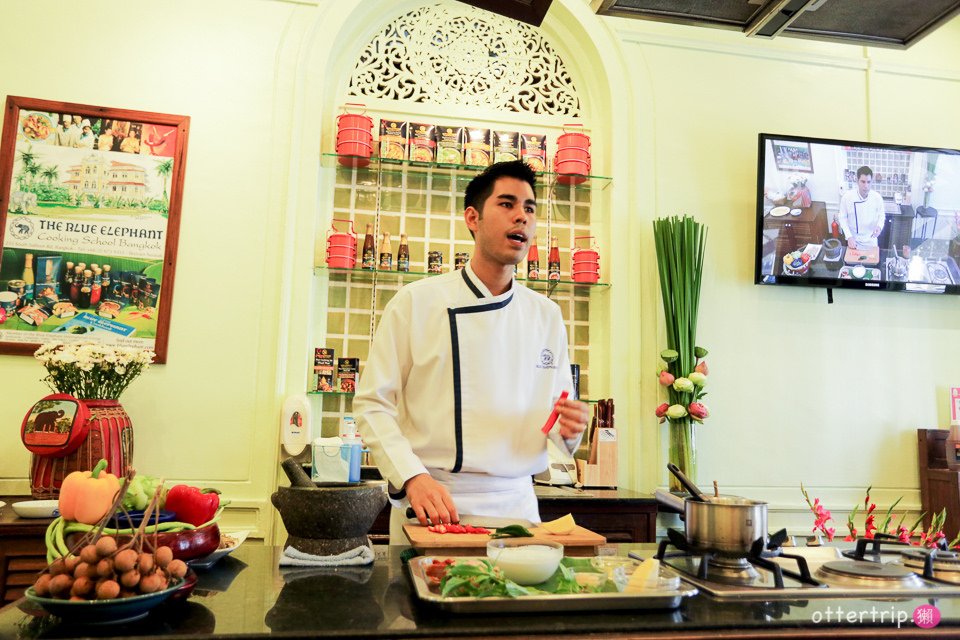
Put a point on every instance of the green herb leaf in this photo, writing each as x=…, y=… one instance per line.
x=512, y=531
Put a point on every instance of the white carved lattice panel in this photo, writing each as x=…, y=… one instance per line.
x=461, y=55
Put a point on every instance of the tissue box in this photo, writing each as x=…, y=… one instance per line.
x=334, y=461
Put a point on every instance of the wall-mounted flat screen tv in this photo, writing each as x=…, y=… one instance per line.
x=846, y=214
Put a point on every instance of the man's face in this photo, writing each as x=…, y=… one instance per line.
x=504, y=229
x=863, y=184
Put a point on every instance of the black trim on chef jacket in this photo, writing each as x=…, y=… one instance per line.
x=458, y=419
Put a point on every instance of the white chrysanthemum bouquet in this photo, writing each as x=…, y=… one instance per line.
x=90, y=370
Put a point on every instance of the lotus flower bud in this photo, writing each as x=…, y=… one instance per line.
x=661, y=367
x=702, y=368
x=669, y=355
x=666, y=378
x=662, y=410
x=683, y=385
x=697, y=378
x=700, y=352
x=676, y=411
x=699, y=411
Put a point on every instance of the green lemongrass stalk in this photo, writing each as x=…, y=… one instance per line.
x=680, y=244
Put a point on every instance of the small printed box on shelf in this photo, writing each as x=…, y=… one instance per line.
x=450, y=145
x=422, y=142
x=347, y=369
x=506, y=146
x=476, y=148
x=393, y=140
x=533, y=150
x=323, y=361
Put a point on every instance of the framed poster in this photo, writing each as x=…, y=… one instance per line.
x=89, y=222
x=792, y=156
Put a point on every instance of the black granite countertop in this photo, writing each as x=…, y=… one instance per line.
x=248, y=595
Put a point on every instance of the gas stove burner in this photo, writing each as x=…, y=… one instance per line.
x=732, y=570
x=859, y=573
x=936, y=564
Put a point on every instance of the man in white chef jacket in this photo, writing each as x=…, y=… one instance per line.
x=464, y=370
x=861, y=213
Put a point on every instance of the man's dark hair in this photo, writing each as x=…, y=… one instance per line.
x=864, y=171
x=481, y=186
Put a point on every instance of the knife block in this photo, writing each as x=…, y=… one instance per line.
x=604, y=472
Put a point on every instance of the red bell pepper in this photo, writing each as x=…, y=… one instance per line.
x=192, y=504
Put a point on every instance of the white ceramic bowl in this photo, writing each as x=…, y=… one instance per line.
x=37, y=508
x=524, y=560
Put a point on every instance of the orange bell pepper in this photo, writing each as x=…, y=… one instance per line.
x=86, y=496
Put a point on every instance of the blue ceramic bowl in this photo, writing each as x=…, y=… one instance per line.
x=120, y=521
x=98, y=612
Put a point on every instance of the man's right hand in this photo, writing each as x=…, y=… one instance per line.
x=852, y=243
x=430, y=499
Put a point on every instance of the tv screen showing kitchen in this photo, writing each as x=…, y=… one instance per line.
x=846, y=214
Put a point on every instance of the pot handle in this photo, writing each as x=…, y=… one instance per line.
x=695, y=493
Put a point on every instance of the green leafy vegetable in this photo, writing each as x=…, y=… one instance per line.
x=140, y=491
x=512, y=531
x=480, y=580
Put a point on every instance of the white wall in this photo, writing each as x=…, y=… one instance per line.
x=681, y=125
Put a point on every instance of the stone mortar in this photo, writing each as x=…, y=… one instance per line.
x=330, y=518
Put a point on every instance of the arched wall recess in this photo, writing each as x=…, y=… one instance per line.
x=326, y=59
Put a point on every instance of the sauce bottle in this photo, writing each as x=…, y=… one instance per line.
x=368, y=259
x=403, y=254
x=96, y=291
x=105, y=283
x=76, y=284
x=533, y=262
x=67, y=279
x=86, y=288
x=553, y=260
x=28, y=278
x=386, y=254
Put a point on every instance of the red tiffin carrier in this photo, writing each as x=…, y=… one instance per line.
x=572, y=158
x=585, y=262
x=354, y=136
x=341, y=246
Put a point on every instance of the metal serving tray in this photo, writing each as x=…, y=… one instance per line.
x=543, y=604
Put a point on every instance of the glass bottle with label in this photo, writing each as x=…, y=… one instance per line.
x=96, y=291
x=533, y=262
x=403, y=254
x=76, y=284
x=553, y=260
x=368, y=257
x=105, y=283
x=386, y=254
x=28, y=277
x=67, y=280
x=86, y=289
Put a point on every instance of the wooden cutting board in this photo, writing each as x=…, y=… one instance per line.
x=579, y=542
x=862, y=256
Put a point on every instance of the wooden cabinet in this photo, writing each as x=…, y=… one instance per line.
x=618, y=514
x=939, y=479
x=795, y=232
x=22, y=550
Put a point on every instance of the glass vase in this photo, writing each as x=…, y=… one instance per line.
x=683, y=451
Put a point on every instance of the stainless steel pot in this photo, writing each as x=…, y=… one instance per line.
x=727, y=524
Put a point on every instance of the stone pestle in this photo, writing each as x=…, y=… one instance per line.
x=298, y=477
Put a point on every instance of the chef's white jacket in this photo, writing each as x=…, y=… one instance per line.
x=459, y=382
x=860, y=217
